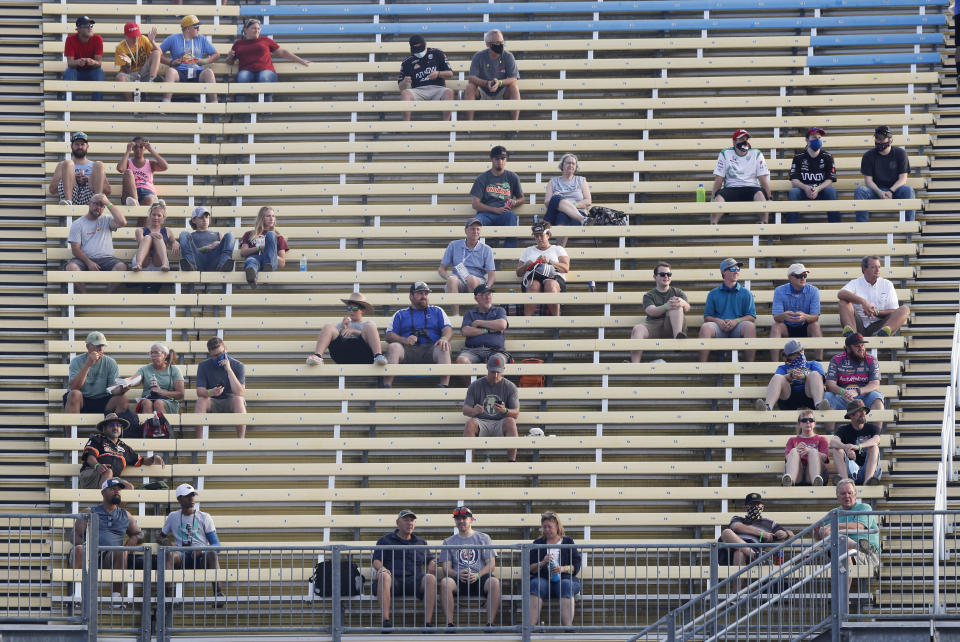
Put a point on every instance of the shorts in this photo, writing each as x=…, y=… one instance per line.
x=861, y=477
x=660, y=328
x=483, y=94
x=91, y=404
x=89, y=478
x=837, y=402
x=184, y=72
x=462, y=285
x=428, y=92
x=172, y=406
x=738, y=194
x=350, y=351
x=419, y=353
x=81, y=193
x=220, y=405
x=736, y=333
x=106, y=263
x=566, y=587
x=539, y=277
x=798, y=399
x=140, y=75
x=473, y=589
x=797, y=331
x=404, y=586
x=480, y=354
x=489, y=427
x=865, y=554
x=869, y=330
x=193, y=559
x=143, y=192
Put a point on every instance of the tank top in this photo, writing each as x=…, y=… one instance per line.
x=143, y=176
x=163, y=233
x=113, y=526
x=569, y=190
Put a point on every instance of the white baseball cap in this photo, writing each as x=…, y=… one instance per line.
x=186, y=489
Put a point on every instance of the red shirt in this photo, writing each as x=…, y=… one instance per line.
x=92, y=48
x=249, y=240
x=817, y=442
x=254, y=55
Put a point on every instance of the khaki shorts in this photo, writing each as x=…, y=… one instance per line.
x=865, y=554
x=220, y=405
x=428, y=92
x=140, y=75
x=660, y=328
x=418, y=353
x=869, y=330
x=497, y=95
x=89, y=478
x=490, y=427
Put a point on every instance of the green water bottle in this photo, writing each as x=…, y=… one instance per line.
x=701, y=194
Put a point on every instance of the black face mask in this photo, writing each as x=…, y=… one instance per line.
x=881, y=146
x=116, y=500
x=418, y=51
x=744, y=146
x=497, y=49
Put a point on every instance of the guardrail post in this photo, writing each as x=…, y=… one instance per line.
x=838, y=577
x=91, y=577
x=525, y=624
x=162, y=634
x=336, y=625
x=145, y=608
x=714, y=580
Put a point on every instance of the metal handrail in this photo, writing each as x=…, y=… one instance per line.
x=945, y=469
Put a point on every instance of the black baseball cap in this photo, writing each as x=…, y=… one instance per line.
x=85, y=21
x=854, y=339
x=499, y=151
x=417, y=43
x=882, y=132
x=752, y=498
x=480, y=289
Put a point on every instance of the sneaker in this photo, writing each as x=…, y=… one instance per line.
x=818, y=480
x=315, y=360
x=164, y=268
x=220, y=600
x=227, y=266
x=451, y=625
x=429, y=630
x=835, y=479
x=680, y=335
x=379, y=360
x=761, y=405
x=885, y=331
x=442, y=385
x=786, y=480
x=131, y=202
x=186, y=266
x=386, y=625
x=824, y=405
x=116, y=601
x=64, y=201
x=266, y=267
x=847, y=331
x=251, y=277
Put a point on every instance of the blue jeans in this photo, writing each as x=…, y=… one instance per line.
x=507, y=218
x=206, y=261
x=826, y=194
x=837, y=403
x=266, y=75
x=566, y=587
x=72, y=73
x=554, y=216
x=268, y=255
x=864, y=193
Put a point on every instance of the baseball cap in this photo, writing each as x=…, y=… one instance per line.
x=816, y=130
x=406, y=512
x=753, y=497
x=480, y=289
x=473, y=221
x=854, y=339
x=881, y=132
x=796, y=269
x=131, y=30
x=84, y=21
x=419, y=286
x=792, y=346
x=110, y=483
x=198, y=212
x=538, y=228
x=96, y=338
x=462, y=511
x=78, y=136
x=189, y=21
x=185, y=489
x=740, y=132
x=496, y=362
x=855, y=406
x=499, y=151
x=726, y=264
x=417, y=43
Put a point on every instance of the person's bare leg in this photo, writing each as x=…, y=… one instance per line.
x=493, y=599
x=760, y=197
x=326, y=337
x=571, y=210
x=639, y=332
x=716, y=216
x=394, y=355
x=535, y=605
x=143, y=249
x=814, y=467
x=238, y=405
x=406, y=95
x=447, y=95
x=813, y=386
x=452, y=286
x=530, y=308
x=153, y=63
x=898, y=318
x=128, y=187
x=566, y=611
x=792, y=465
x=442, y=357
x=119, y=267
x=839, y=459
x=847, y=314
x=170, y=76
x=675, y=319
x=551, y=286
x=870, y=463
x=512, y=92
x=510, y=430
x=384, y=593
x=749, y=331
x=68, y=177
x=447, y=588
x=777, y=389
x=202, y=407
x=706, y=332
x=429, y=587
x=470, y=93
x=207, y=75
x=372, y=337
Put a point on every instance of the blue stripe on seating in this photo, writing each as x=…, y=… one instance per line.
x=873, y=59
x=581, y=26
x=878, y=39
x=615, y=6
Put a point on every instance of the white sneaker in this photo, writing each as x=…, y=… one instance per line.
x=379, y=360
x=64, y=201
x=314, y=360
x=761, y=405
x=786, y=480
x=824, y=405
x=131, y=202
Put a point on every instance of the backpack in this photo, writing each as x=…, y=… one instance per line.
x=600, y=215
x=351, y=582
x=532, y=381
x=156, y=427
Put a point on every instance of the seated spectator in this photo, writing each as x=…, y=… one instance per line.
x=856, y=447
x=422, y=75
x=806, y=454
x=84, y=53
x=252, y=52
x=742, y=174
x=467, y=262
x=796, y=384
x=221, y=382
x=263, y=247
x=796, y=309
x=91, y=240
x=752, y=529
x=860, y=533
x=568, y=195
x=483, y=327
x=204, y=249
x=812, y=175
x=138, y=187
x=404, y=571
x=666, y=307
x=853, y=374
x=79, y=177
x=543, y=267
x=869, y=303
x=137, y=56
x=493, y=74
x=493, y=405
x=106, y=456
x=90, y=375
x=730, y=312
x=885, y=172
x=496, y=192
x=154, y=241
x=162, y=382
x=420, y=333
x=353, y=340
x=469, y=571
x=553, y=570
x=190, y=526
x=188, y=56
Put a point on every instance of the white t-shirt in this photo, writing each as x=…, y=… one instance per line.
x=881, y=294
x=95, y=236
x=553, y=254
x=741, y=171
x=189, y=530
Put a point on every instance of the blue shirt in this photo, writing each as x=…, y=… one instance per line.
x=786, y=299
x=725, y=303
x=403, y=562
x=867, y=521
x=491, y=339
x=812, y=366
x=478, y=260
x=113, y=526
x=408, y=321
x=178, y=47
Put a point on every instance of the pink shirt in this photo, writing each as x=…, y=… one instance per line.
x=142, y=176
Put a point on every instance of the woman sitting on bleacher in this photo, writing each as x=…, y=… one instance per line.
x=542, y=267
x=253, y=53
x=162, y=382
x=154, y=241
x=263, y=247
x=353, y=340
x=554, y=570
x=806, y=454
x=568, y=195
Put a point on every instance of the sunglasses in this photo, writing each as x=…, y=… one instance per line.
x=462, y=512
x=665, y=274
x=548, y=516
x=353, y=308
x=799, y=276
x=733, y=269
x=807, y=420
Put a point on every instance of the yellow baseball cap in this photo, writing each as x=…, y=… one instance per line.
x=189, y=21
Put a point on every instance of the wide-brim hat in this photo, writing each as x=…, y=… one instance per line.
x=356, y=298
x=856, y=406
x=109, y=419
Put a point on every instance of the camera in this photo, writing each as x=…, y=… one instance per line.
x=421, y=333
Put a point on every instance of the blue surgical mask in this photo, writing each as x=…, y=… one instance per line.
x=420, y=54
x=815, y=144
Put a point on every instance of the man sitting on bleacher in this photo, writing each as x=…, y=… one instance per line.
x=496, y=192
x=204, y=249
x=467, y=262
x=221, y=382
x=885, y=170
x=483, y=327
x=407, y=573
x=468, y=570
x=420, y=333
x=856, y=447
x=91, y=375
x=666, y=307
x=742, y=174
x=796, y=309
x=853, y=375
x=78, y=178
x=189, y=527
x=91, y=240
x=137, y=56
x=493, y=405
x=106, y=456
x=752, y=529
x=493, y=74
x=190, y=56
x=812, y=174
x=861, y=533
x=869, y=303
x=730, y=312
x=84, y=53
x=422, y=75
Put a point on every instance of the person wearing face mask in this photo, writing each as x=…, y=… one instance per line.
x=812, y=175
x=752, y=529
x=885, y=169
x=493, y=74
x=741, y=174
x=422, y=75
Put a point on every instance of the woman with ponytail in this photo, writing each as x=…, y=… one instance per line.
x=162, y=382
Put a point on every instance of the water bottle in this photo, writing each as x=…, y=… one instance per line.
x=136, y=95
x=592, y=286
x=303, y=262
x=554, y=566
x=701, y=194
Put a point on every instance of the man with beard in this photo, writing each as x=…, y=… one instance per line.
x=91, y=240
x=857, y=442
x=752, y=529
x=885, y=170
x=114, y=523
x=78, y=178
x=853, y=374
x=191, y=527
x=105, y=456
x=742, y=173
x=468, y=570
x=492, y=404
x=419, y=334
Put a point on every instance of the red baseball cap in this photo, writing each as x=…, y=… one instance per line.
x=131, y=30
x=816, y=130
x=740, y=132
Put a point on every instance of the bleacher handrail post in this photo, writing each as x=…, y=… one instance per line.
x=838, y=577
x=163, y=635
x=89, y=589
x=145, y=605
x=526, y=626
x=336, y=621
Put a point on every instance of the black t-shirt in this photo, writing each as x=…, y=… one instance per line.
x=811, y=170
x=419, y=68
x=885, y=170
x=116, y=455
x=848, y=435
